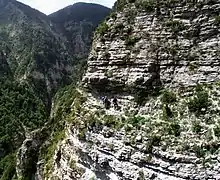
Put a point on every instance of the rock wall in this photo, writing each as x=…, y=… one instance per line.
x=105, y=150
x=28, y=153
x=175, y=44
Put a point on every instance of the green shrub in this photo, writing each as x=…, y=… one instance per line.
x=129, y=30
x=140, y=97
x=193, y=67
x=72, y=164
x=113, y=15
x=168, y=97
x=156, y=139
x=211, y=147
x=199, y=151
x=175, y=26
x=119, y=27
x=82, y=134
x=174, y=129
x=167, y=112
x=119, y=5
x=102, y=29
x=111, y=121
x=8, y=164
x=217, y=131
x=108, y=73
x=148, y=147
x=153, y=140
x=131, y=41
x=141, y=175
x=199, y=101
x=147, y=5
x=58, y=136
x=217, y=20
x=196, y=127
x=127, y=128
x=136, y=120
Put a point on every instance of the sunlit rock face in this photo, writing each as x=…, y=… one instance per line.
x=172, y=134
x=171, y=45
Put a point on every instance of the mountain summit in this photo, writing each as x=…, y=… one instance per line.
x=78, y=22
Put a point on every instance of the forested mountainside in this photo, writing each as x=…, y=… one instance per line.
x=78, y=22
x=33, y=48
x=160, y=59
x=35, y=62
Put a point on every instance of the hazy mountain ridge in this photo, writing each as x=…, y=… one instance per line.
x=78, y=22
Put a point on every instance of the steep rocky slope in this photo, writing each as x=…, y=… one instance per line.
x=78, y=22
x=172, y=44
x=160, y=58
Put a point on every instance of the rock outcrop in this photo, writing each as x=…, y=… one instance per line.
x=169, y=134
x=106, y=145
x=27, y=155
x=173, y=44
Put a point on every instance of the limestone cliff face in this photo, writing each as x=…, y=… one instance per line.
x=109, y=144
x=171, y=44
x=171, y=134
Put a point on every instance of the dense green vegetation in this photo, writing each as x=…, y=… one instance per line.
x=200, y=101
x=131, y=41
x=168, y=97
x=20, y=111
x=175, y=26
x=102, y=28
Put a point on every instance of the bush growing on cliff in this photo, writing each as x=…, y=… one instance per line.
x=174, y=129
x=136, y=120
x=175, y=26
x=200, y=101
x=111, y=121
x=167, y=112
x=193, y=67
x=196, y=127
x=58, y=136
x=217, y=20
x=217, y=131
x=119, y=5
x=8, y=164
x=102, y=29
x=141, y=97
x=199, y=151
x=168, y=97
x=130, y=41
x=119, y=28
x=147, y=5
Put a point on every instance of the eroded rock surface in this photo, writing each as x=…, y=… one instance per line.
x=107, y=150
x=176, y=45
